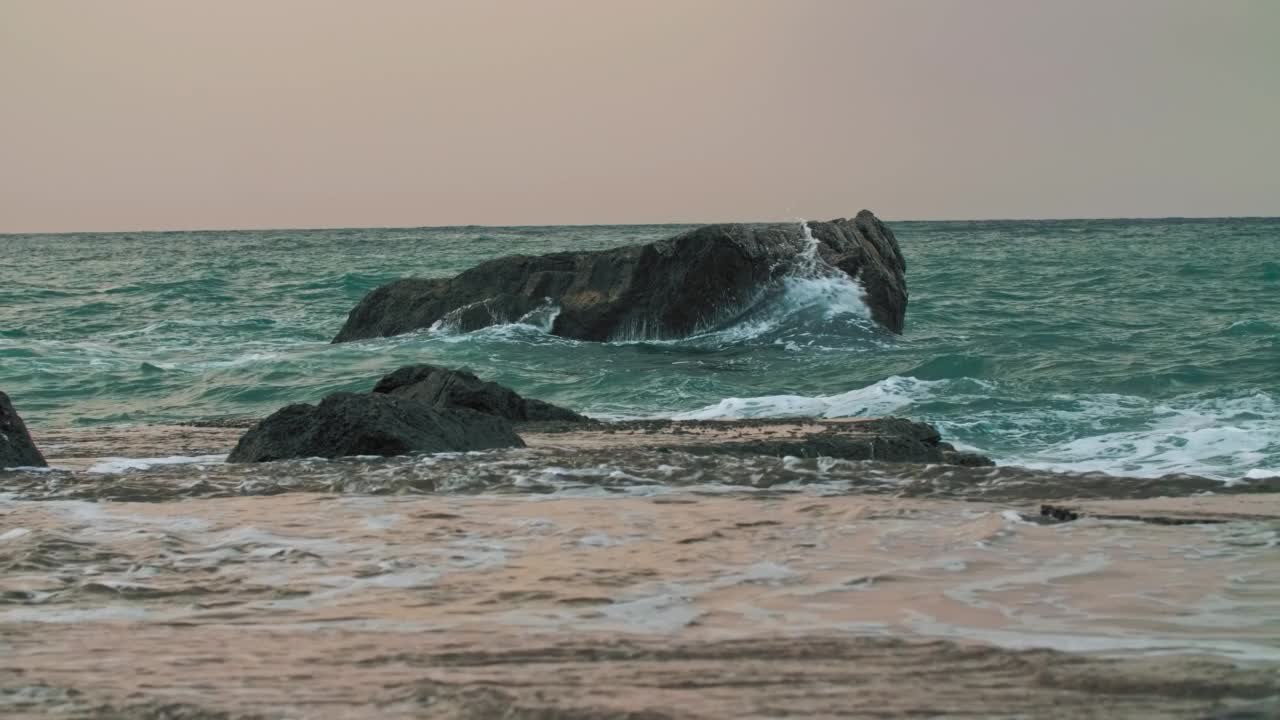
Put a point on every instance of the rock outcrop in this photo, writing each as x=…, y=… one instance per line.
x=668, y=289
x=445, y=388
x=887, y=439
x=370, y=424
x=17, y=449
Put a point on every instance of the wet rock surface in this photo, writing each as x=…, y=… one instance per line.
x=426, y=408
x=345, y=424
x=445, y=388
x=17, y=449
x=668, y=289
x=617, y=458
x=876, y=439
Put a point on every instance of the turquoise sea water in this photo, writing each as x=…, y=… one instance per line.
x=1134, y=347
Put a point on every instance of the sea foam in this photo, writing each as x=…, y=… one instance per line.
x=893, y=394
x=1110, y=433
x=114, y=465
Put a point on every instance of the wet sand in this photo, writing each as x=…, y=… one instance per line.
x=617, y=598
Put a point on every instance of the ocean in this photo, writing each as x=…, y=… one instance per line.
x=1130, y=347
x=1119, y=562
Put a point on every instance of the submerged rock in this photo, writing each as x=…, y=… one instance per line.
x=370, y=424
x=17, y=449
x=444, y=388
x=667, y=289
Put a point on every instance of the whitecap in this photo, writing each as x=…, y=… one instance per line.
x=1222, y=438
x=114, y=465
x=882, y=398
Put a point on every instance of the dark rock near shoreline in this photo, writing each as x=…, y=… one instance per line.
x=370, y=424
x=17, y=449
x=882, y=439
x=426, y=408
x=445, y=388
x=667, y=289
x=887, y=439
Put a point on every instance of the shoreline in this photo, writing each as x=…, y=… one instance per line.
x=837, y=447
x=624, y=570
x=615, y=570
x=682, y=605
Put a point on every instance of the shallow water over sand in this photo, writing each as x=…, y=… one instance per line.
x=316, y=605
x=567, y=580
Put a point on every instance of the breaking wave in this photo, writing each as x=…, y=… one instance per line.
x=813, y=302
x=1064, y=345
x=1223, y=438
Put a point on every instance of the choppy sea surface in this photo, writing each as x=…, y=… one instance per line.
x=577, y=575
x=1134, y=347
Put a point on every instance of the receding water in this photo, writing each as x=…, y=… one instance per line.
x=1134, y=347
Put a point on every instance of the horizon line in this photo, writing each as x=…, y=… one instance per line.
x=317, y=228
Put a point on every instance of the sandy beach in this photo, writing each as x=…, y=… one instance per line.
x=703, y=601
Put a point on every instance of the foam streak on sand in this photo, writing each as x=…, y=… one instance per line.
x=119, y=465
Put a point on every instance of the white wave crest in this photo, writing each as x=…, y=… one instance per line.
x=883, y=398
x=1224, y=438
x=812, y=286
x=541, y=318
x=812, y=290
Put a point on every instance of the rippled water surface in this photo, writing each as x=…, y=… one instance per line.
x=1130, y=347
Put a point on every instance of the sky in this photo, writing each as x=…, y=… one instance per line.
x=156, y=114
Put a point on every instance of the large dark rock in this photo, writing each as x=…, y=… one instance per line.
x=445, y=388
x=667, y=289
x=17, y=449
x=370, y=424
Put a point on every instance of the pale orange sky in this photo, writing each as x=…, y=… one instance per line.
x=158, y=114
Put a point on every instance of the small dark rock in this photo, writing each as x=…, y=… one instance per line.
x=17, y=449
x=1058, y=514
x=370, y=424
